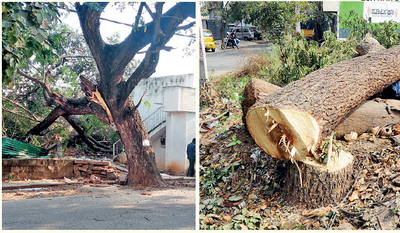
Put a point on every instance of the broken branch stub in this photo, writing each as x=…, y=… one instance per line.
x=307, y=110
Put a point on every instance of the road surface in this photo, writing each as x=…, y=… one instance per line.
x=109, y=209
x=223, y=61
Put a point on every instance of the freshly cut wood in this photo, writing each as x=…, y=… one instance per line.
x=255, y=90
x=321, y=184
x=291, y=122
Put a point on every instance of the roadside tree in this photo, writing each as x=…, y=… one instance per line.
x=106, y=91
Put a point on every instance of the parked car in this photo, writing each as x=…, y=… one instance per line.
x=247, y=33
x=208, y=40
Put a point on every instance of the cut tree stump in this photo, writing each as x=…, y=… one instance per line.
x=290, y=123
x=295, y=119
x=321, y=184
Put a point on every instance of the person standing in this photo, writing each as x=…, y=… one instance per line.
x=191, y=155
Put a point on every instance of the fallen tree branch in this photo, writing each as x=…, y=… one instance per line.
x=213, y=119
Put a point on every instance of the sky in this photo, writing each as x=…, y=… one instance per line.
x=170, y=63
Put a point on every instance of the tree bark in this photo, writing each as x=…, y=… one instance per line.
x=143, y=171
x=296, y=118
x=255, y=90
x=321, y=185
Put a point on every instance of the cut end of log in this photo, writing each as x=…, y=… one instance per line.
x=283, y=134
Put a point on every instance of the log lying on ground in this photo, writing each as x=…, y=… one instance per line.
x=295, y=119
x=368, y=115
x=255, y=90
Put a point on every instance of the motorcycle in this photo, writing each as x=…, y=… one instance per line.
x=227, y=43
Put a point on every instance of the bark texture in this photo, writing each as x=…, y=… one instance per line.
x=309, y=109
x=255, y=90
x=321, y=184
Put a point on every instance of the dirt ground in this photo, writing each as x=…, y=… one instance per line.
x=240, y=185
x=75, y=189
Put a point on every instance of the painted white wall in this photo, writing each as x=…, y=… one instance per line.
x=153, y=88
x=159, y=151
x=177, y=96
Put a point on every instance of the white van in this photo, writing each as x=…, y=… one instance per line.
x=247, y=33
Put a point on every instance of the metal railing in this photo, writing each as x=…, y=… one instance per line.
x=155, y=119
x=117, y=148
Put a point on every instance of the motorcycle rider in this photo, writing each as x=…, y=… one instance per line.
x=235, y=39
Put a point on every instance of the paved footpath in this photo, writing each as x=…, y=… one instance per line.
x=106, y=208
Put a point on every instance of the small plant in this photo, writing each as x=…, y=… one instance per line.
x=234, y=141
x=396, y=210
x=10, y=178
x=212, y=177
x=245, y=221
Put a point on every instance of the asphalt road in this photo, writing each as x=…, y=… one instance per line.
x=223, y=61
x=113, y=209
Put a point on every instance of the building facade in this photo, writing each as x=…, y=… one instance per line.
x=169, y=116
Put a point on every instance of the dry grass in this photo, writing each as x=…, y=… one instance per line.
x=254, y=63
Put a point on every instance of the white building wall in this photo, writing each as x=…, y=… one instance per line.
x=176, y=139
x=153, y=88
x=177, y=96
x=159, y=151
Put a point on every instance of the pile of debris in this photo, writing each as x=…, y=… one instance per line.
x=99, y=171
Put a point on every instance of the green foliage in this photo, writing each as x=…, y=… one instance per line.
x=278, y=17
x=387, y=33
x=295, y=57
x=210, y=206
x=245, y=220
x=211, y=179
x=24, y=33
x=396, y=210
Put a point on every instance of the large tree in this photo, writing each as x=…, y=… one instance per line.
x=107, y=95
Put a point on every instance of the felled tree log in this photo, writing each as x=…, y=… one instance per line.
x=368, y=115
x=255, y=90
x=368, y=45
x=296, y=118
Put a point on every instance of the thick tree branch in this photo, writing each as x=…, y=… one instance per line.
x=139, y=14
x=138, y=39
x=90, y=24
x=89, y=140
x=49, y=120
x=168, y=24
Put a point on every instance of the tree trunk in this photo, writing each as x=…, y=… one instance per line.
x=143, y=171
x=296, y=118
